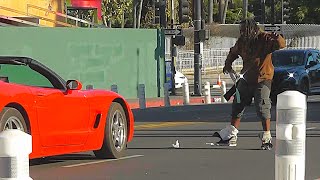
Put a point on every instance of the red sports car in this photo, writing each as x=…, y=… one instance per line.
x=60, y=116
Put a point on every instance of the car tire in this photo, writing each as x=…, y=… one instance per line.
x=304, y=87
x=11, y=118
x=116, y=134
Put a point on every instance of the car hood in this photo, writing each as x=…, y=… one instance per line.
x=287, y=69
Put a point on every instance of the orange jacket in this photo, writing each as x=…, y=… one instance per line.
x=257, y=63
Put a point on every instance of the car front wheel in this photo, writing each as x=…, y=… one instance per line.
x=116, y=133
x=304, y=87
x=11, y=118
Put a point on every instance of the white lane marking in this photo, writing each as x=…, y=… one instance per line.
x=107, y=160
x=310, y=128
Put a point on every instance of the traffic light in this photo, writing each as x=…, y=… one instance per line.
x=285, y=11
x=183, y=11
x=160, y=12
x=179, y=40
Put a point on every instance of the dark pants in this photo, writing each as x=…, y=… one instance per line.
x=260, y=92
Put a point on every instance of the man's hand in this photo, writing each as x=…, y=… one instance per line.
x=227, y=69
x=272, y=36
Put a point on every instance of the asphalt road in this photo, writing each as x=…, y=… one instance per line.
x=151, y=155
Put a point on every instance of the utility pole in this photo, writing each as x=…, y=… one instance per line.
x=172, y=50
x=197, y=48
x=245, y=9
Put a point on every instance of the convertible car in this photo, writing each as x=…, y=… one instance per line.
x=60, y=116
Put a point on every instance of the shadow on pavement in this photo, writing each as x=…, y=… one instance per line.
x=200, y=113
x=61, y=158
x=209, y=113
x=193, y=148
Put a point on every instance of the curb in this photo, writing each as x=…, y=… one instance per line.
x=174, y=101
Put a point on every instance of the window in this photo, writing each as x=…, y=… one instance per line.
x=317, y=56
x=288, y=58
x=310, y=57
x=21, y=74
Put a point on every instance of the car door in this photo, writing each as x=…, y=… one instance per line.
x=317, y=70
x=312, y=70
x=62, y=117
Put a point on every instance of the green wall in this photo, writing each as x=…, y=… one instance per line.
x=101, y=57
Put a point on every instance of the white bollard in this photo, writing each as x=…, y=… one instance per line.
x=15, y=147
x=290, y=136
x=185, y=89
x=166, y=94
x=223, y=89
x=207, y=93
x=142, y=96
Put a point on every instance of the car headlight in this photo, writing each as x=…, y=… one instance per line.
x=292, y=77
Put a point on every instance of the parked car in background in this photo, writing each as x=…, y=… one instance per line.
x=296, y=69
x=179, y=79
x=60, y=116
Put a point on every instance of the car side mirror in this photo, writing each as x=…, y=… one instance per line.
x=74, y=85
x=312, y=63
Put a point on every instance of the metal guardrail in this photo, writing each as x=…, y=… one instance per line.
x=4, y=24
x=39, y=17
x=61, y=15
x=17, y=20
x=213, y=61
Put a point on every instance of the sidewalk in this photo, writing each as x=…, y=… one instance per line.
x=174, y=101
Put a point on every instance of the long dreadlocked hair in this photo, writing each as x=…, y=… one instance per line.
x=250, y=31
x=251, y=28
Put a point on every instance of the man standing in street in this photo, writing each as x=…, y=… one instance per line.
x=255, y=48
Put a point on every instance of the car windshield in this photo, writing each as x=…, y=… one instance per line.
x=21, y=74
x=287, y=58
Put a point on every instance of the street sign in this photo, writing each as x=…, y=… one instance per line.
x=172, y=32
x=272, y=28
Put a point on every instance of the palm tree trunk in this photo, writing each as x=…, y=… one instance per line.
x=139, y=15
x=225, y=11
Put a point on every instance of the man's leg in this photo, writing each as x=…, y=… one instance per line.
x=266, y=125
x=263, y=108
x=228, y=135
x=235, y=121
